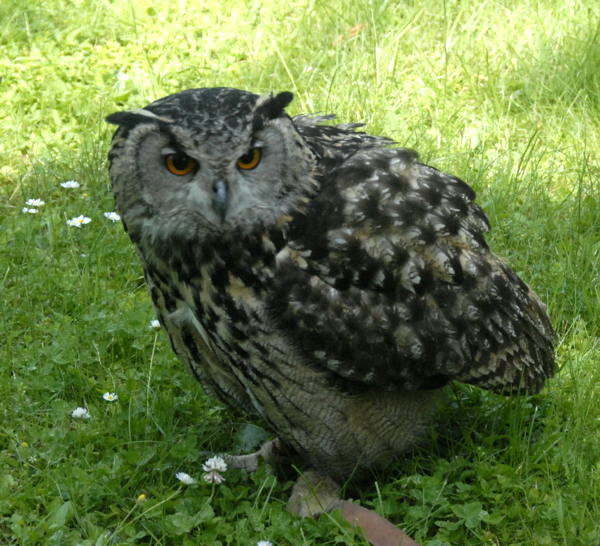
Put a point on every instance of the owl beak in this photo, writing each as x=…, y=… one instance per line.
x=220, y=198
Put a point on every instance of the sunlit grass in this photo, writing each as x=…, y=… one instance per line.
x=502, y=94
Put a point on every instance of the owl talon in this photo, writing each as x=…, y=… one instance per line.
x=314, y=494
x=272, y=452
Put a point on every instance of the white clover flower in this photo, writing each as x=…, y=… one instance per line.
x=213, y=477
x=213, y=468
x=26, y=210
x=185, y=478
x=154, y=324
x=216, y=463
x=70, y=184
x=35, y=202
x=113, y=216
x=78, y=221
x=264, y=543
x=110, y=396
x=80, y=413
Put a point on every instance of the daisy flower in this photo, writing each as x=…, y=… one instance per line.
x=78, y=221
x=154, y=324
x=35, y=202
x=113, y=216
x=26, y=210
x=185, y=478
x=264, y=543
x=110, y=396
x=213, y=468
x=80, y=413
x=70, y=184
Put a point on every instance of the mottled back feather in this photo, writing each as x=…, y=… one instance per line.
x=400, y=288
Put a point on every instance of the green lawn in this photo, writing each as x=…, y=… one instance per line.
x=504, y=94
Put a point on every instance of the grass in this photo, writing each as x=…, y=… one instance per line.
x=504, y=94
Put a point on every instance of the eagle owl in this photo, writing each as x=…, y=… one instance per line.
x=316, y=275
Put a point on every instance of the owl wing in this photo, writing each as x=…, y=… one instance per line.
x=387, y=280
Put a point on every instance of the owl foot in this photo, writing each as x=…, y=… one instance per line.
x=314, y=494
x=272, y=452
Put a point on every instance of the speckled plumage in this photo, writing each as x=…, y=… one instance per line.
x=333, y=288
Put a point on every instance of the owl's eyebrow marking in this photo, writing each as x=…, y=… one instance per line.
x=173, y=147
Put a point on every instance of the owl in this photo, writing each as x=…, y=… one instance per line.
x=317, y=276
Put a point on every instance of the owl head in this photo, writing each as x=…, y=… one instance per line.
x=210, y=159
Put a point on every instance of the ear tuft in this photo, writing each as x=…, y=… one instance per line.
x=271, y=107
x=131, y=118
x=280, y=101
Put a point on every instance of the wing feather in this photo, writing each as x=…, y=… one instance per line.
x=399, y=287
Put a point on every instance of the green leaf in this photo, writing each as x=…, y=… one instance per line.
x=183, y=523
x=450, y=525
x=61, y=515
x=472, y=513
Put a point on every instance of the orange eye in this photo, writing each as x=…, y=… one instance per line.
x=180, y=164
x=250, y=159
